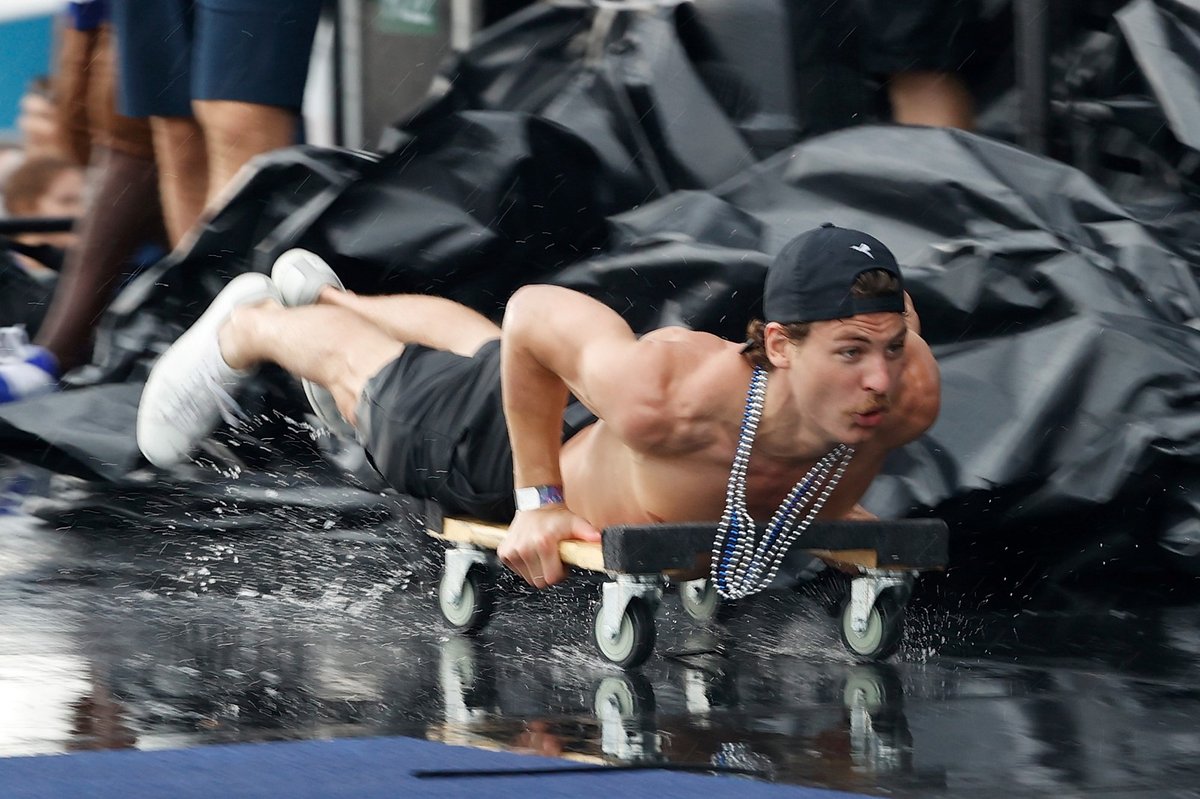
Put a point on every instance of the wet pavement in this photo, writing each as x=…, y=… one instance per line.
x=266, y=618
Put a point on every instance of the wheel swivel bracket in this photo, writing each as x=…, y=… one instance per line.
x=459, y=561
x=865, y=589
x=620, y=592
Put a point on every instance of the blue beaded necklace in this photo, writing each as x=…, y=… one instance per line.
x=742, y=562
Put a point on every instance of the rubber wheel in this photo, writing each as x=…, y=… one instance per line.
x=885, y=628
x=701, y=605
x=472, y=610
x=871, y=687
x=634, y=641
x=628, y=696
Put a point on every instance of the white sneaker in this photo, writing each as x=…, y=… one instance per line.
x=300, y=275
x=190, y=387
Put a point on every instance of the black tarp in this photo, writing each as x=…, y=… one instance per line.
x=585, y=146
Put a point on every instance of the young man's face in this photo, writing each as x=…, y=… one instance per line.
x=846, y=375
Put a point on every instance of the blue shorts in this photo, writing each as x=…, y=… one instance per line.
x=176, y=51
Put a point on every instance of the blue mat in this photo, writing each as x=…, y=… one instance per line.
x=359, y=768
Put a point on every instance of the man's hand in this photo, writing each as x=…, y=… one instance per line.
x=530, y=548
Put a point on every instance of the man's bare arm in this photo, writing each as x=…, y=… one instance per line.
x=556, y=341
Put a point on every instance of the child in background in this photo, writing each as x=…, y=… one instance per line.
x=41, y=188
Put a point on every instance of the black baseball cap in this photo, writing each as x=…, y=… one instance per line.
x=810, y=279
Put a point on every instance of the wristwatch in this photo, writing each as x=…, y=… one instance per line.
x=534, y=497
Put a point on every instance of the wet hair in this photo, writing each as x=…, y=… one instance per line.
x=872, y=283
x=30, y=181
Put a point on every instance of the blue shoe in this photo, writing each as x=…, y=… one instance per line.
x=26, y=370
x=22, y=381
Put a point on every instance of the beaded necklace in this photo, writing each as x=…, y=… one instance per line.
x=742, y=562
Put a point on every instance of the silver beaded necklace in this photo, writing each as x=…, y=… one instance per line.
x=742, y=561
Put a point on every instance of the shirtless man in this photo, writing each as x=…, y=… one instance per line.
x=426, y=385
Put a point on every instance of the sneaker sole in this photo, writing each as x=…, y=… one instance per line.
x=309, y=273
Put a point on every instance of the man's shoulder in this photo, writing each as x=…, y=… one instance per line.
x=682, y=354
x=685, y=337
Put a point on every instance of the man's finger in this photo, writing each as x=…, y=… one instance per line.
x=551, y=564
x=583, y=531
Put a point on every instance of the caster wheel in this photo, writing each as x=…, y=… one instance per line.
x=623, y=697
x=871, y=687
x=700, y=599
x=885, y=628
x=634, y=640
x=469, y=611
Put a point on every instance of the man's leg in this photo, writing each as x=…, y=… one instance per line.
x=194, y=383
x=303, y=278
x=119, y=218
x=931, y=98
x=182, y=158
x=331, y=346
x=419, y=319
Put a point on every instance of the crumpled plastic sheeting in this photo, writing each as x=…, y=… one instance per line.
x=1064, y=321
x=1164, y=37
x=1063, y=324
x=619, y=79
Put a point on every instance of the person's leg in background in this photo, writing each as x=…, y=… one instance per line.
x=182, y=158
x=154, y=64
x=250, y=65
x=123, y=210
x=931, y=98
x=72, y=71
x=234, y=132
x=920, y=48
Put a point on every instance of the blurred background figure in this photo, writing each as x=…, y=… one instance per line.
x=918, y=49
x=37, y=126
x=37, y=120
x=123, y=215
x=56, y=285
x=221, y=82
x=11, y=156
x=42, y=187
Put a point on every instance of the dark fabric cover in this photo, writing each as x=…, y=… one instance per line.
x=23, y=298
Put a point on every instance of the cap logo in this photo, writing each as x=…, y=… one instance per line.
x=865, y=249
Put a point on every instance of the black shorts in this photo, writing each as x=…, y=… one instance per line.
x=917, y=35
x=432, y=423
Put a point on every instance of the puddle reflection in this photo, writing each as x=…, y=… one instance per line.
x=852, y=733
x=107, y=641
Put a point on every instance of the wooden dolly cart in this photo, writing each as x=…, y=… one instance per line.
x=884, y=556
